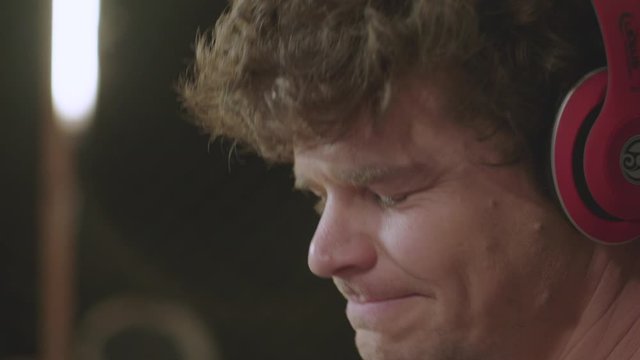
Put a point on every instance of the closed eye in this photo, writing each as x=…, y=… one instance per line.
x=389, y=201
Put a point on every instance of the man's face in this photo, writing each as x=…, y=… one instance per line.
x=439, y=255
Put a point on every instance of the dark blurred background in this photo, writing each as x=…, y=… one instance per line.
x=176, y=239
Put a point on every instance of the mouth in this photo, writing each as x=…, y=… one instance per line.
x=379, y=307
x=379, y=313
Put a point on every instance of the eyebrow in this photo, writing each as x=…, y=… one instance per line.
x=367, y=175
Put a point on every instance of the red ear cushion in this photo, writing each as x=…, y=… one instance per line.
x=567, y=148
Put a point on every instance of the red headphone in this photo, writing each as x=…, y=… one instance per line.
x=595, y=152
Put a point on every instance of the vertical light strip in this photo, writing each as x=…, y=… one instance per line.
x=74, y=60
x=73, y=95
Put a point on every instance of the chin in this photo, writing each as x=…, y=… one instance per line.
x=377, y=346
x=373, y=346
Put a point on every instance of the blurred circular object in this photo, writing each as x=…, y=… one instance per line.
x=130, y=327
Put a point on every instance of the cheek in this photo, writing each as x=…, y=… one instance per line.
x=439, y=239
x=458, y=244
x=447, y=249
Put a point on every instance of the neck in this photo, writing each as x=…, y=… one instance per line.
x=609, y=327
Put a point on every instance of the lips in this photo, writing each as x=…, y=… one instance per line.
x=378, y=307
x=361, y=293
x=381, y=314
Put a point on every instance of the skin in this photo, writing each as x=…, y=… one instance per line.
x=440, y=255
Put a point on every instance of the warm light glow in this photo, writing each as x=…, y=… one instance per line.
x=74, y=60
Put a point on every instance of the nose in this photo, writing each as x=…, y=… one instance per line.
x=342, y=243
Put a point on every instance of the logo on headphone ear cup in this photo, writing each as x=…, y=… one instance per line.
x=630, y=160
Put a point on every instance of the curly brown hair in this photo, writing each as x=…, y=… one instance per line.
x=275, y=71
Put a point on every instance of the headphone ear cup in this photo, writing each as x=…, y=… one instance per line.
x=574, y=121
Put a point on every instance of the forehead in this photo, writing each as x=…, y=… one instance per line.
x=414, y=129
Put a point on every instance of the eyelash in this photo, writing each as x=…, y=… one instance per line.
x=387, y=202
x=383, y=201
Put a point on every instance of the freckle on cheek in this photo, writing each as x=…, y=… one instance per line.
x=493, y=204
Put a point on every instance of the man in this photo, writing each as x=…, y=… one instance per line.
x=422, y=126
